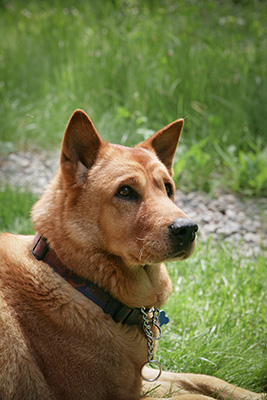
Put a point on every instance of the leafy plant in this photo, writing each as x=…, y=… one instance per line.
x=194, y=167
x=247, y=169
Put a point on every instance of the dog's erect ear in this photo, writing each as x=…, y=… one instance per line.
x=164, y=142
x=80, y=147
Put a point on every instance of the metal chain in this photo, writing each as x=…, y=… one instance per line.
x=147, y=325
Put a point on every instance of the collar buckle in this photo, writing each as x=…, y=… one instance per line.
x=40, y=248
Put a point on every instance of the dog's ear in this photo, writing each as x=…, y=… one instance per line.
x=80, y=147
x=164, y=143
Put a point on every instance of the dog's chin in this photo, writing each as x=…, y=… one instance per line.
x=178, y=255
x=182, y=255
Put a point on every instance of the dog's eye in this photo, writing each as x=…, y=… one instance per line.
x=127, y=192
x=168, y=188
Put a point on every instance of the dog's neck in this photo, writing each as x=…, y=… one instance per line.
x=118, y=311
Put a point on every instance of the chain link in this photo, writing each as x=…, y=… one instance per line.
x=148, y=322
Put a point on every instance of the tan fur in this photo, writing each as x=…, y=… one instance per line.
x=54, y=342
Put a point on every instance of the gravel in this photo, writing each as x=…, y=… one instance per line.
x=228, y=218
x=223, y=217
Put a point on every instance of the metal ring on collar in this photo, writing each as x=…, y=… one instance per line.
x=154, y=362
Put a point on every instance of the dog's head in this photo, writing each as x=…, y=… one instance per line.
x=122, y=199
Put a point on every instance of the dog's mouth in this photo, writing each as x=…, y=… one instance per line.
x=180, y=252
x=180, y=255
x=177, y=256
x=174, y=246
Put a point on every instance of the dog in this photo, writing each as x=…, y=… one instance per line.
x=75, y=298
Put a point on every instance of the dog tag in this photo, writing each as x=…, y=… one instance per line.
x=163, y=319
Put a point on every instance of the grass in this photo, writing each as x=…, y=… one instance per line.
x=217, y=310
x=218, y=317
x=15, y=211
x=135, y=66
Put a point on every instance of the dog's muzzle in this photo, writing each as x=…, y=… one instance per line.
x=182, y=233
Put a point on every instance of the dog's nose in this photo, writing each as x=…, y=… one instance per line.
x=183, y=231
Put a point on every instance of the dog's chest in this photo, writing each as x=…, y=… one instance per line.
x=81, y=352
x=75, y=360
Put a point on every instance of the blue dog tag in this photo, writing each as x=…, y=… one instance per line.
x=163, y=319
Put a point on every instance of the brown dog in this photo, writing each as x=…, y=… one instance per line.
x=105, y=225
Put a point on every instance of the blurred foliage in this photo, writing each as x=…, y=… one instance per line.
x=135, y=66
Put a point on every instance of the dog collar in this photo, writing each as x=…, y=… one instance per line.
x=117, y=310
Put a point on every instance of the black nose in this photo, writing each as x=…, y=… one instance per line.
x=183, y=231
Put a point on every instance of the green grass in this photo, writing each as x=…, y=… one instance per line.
x=135, y=66
x=15, y=208
x=217, y=310
x=218, y=317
